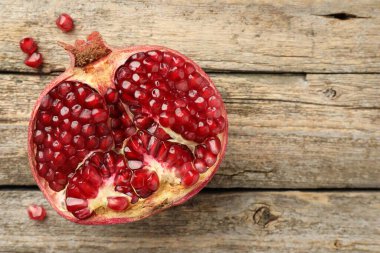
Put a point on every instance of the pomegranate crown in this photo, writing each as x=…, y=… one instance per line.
x=85, y=52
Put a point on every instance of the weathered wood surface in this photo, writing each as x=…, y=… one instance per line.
x=286, y=131
x=260, y=35
x=228, y=222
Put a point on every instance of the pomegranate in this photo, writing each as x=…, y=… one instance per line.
x=36, y=212
x=125, y=133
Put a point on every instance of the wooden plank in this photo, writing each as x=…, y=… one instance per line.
x=286, y=131
x=228, y=222
x=260, y=35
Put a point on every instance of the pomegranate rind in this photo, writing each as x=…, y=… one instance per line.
x=86, y=74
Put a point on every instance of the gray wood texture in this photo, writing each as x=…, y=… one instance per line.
x=225, y=222
x=301, y=82
x=260, y=35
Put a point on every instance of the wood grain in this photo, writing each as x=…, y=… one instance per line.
x=260, y=35
x=229, y=222
x=286, y=131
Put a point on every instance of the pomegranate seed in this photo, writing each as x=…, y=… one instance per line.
x=213, y=112
x=99, y=115
x=200, y=151
x=92, y=142
x=213, y=144
x=189, y=68
x=209, y=159
x=88, y=130
x=111, y=96
x=202, y=129
x=117, y=203
x=42, y=169
x=36, y=212
x=93, y=100
x=200, y=165
x=106, y=143
x=214, y=102
x=142, y=121
x=176, y=74
x=74, y=204
x=39, y=137
x=190, y=178
x=181, y=102
x=34, y=60
x=196, y=81
x=28, y=45
x=46, y=102
x=182, y=116
x=182, y=86
x=66, y=138
x=166, y=120
x=102, y=129
x=207, y=92
x=65, y=22
x=155, y=55
x=59, y=159
x=200, y=103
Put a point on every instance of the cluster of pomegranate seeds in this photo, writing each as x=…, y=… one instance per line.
x=170, y=91
x=177, y=158
x=120, y=123
x=96, y=172
x=159, y=125
x=65, y=22
x=36, y=212
x=29, y=46
x=71, y=122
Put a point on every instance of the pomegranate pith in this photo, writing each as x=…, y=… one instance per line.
x=125, y=133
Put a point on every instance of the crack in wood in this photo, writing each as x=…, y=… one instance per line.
x=341, y=16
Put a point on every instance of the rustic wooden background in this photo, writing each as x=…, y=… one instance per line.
x=301, y=80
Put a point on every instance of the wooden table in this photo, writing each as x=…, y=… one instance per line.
x=301, y=80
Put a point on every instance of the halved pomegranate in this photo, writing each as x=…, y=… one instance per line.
x=125, y=133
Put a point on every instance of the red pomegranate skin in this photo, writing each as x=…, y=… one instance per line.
x=99, y=75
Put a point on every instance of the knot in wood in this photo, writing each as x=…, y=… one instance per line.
x=263, y=216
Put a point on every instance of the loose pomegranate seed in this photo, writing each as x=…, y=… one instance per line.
x=65, y=22
x=36, y=212
x=28, y=45
x=34, y=60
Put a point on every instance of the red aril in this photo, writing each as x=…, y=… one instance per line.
x=65, y=22
x=34, y=60
x=28, y=45
x=36, y=212
x=125, y=133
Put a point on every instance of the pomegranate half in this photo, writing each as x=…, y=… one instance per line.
x=125, y=133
